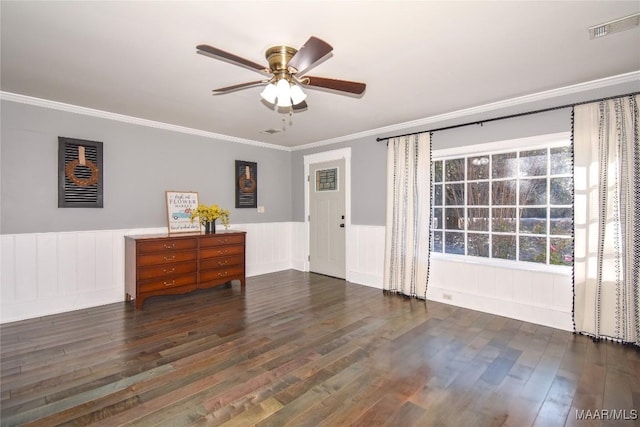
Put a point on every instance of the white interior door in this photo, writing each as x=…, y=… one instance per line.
x=327, y=218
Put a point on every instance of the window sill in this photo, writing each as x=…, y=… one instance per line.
x=561, y=270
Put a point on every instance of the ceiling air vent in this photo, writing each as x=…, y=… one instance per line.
x=271, y=131
x=616, y=26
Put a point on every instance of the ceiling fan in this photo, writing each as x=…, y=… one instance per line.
x=286, y=68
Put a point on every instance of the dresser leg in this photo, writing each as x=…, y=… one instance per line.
x=138, y=302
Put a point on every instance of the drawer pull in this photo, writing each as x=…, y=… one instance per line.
x=223, y=274
x=171, y=283
x=225, y=262
x=169, y=271
x=222, y=252
x=170, y=259
x=171, y=246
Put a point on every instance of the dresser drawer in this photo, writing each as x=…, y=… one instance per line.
x=221, y=251
x=166, y=245
x=207, y=241
x=221, y=262
x=167, y=270
x=231, y=272
x=169, y=257
x=168, y=282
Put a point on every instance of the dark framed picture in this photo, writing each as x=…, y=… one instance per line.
x=246, y=181
x=79, y=173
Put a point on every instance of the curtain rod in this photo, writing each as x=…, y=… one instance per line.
x=511, y=116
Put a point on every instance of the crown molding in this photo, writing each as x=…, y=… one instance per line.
x=399, y=127
x=526, y=99
x=70, y=108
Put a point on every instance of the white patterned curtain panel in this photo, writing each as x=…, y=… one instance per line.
x=408, y=211
x=607, y=219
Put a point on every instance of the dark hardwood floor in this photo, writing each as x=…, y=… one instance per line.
x=299, y=349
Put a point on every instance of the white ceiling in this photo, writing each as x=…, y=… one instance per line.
x=418, y=58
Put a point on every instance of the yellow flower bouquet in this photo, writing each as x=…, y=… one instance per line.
x=210, y=213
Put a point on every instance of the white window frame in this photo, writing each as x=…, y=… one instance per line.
x=521, y=144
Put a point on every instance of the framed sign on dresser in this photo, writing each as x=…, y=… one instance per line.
x=164, y=264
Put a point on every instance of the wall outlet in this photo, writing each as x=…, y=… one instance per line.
x=260, y=209
x=447, y=297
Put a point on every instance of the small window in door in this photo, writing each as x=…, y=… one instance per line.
x=327, y=179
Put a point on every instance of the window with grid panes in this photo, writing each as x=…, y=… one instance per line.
x=513, y=205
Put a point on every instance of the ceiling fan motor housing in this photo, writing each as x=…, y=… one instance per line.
x=278, y=58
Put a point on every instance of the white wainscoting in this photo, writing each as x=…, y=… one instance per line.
x=367, y=255
x=300, y=246
x=544, y=298
x=268, y=247
x=49, y=273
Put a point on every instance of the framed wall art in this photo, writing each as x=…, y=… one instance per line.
x=79, y=173
x=180, y=204
x=246, y=182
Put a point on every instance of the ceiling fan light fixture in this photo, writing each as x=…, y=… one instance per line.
x=297, y=95
x=284, y=102
x=287, y=73
x=284, y=93
x=269, y=93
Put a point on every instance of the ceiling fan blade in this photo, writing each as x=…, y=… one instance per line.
x=309, y=53
x=216, y=53
x=227, y=89
x=339, y=85
x=300, y=106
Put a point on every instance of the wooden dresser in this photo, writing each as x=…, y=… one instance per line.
x=162, y=264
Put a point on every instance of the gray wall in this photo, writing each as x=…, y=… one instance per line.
x=369, y=160
x=140, y=164
x=368, y=180
x=502, y=130
x=368, y=157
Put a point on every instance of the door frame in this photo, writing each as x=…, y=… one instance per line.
x=327, y=156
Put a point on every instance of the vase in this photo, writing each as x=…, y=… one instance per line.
x=210, y=227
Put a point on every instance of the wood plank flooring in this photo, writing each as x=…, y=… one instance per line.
x=299, y=349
